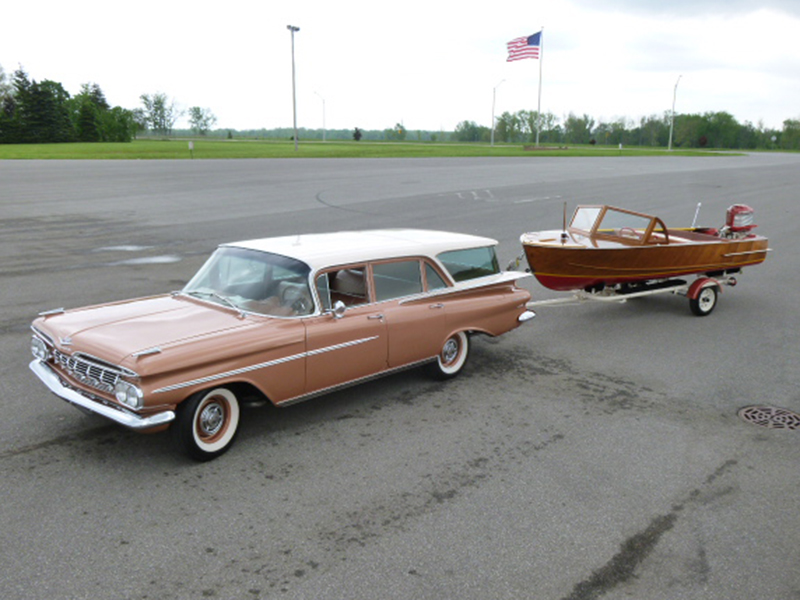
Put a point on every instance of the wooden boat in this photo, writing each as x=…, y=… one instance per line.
x=611, y=249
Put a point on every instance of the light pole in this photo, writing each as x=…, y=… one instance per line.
x=494, y=97
x=672, y=119
x=323, y=115
x=292, y=28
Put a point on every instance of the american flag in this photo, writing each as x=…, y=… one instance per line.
x=524, y=47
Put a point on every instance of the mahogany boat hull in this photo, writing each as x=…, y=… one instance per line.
x=573, y=266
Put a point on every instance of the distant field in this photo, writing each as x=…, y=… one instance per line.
x=204, y=149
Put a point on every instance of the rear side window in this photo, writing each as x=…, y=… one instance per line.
x=397, y=279
x=435, y=281
x=464, y=265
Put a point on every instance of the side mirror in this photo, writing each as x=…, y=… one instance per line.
x=338, y=309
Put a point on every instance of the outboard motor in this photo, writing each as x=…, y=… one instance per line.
x=738, y=222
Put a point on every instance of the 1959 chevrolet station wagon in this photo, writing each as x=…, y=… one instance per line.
x=282, y=319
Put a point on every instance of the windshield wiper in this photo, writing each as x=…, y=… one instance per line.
x=224, y=299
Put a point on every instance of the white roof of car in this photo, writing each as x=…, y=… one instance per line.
x=320, y=250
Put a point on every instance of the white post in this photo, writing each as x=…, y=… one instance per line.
x=539, y=105
x=292, y=28
x=672, y=118
x=494, y=95
x=323, y=115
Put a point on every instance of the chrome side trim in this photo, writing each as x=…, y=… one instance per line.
x=264, y=365
x=470, y=284
x=354, y=382
x=130, y=420
x=748, y=252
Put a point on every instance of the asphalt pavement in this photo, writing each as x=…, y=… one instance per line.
x=596, y=452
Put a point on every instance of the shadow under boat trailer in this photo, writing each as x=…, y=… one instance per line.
x=702, y=293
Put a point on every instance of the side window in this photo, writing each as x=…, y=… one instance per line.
x=397, y=279
x=435, y=281
x=324, y=291
x=348, y=285
x=471, y=263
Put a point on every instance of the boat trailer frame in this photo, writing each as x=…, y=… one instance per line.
x=702, y=292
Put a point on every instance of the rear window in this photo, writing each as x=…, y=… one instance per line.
x=464, y=265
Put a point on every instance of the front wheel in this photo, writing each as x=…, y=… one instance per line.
x=207, y=423
x=452, y=357
x=705, y=302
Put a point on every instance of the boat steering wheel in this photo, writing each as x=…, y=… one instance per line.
x=630, y=232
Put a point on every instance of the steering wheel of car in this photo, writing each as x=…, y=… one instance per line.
x=629, y=231
x=301, y=306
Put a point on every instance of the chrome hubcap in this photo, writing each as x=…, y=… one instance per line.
x=450, y=351
x=211, y=419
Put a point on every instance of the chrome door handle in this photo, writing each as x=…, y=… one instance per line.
x=375, y=317
x=440, y=305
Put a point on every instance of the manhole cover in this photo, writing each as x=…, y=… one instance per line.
x=770, y=417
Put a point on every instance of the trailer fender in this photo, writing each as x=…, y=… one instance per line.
x=701, y=283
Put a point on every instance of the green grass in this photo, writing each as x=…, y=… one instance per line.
x=205, y=149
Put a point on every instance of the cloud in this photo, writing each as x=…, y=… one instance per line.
x=690, y=8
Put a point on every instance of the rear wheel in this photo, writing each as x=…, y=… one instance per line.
x=207, y=423
x=705, y=302
x=452, y=357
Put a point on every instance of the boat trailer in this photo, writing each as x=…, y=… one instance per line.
x=702, y=292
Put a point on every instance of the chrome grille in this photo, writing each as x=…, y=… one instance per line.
x=89, y=372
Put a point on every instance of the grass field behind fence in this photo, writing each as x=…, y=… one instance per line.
x=207, y=149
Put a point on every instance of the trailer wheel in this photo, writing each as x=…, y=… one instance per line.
x=705, y=302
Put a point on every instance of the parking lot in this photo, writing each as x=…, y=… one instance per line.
x=594, y=452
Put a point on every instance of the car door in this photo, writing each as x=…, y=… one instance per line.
x=343, y=349
x=416, y=323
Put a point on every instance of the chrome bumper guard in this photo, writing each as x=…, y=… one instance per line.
x=130, y=420
x=526, y=316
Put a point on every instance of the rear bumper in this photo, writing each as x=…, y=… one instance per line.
x=130, y=420
x=526, y=316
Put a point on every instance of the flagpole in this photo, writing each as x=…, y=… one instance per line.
x=539, y=106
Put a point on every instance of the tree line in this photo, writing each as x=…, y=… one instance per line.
x=708, y=130
x=43, y=112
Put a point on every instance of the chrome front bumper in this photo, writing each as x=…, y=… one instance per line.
x=130, y=420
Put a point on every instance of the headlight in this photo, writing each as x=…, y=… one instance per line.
x=39, y=349
x=128, y=394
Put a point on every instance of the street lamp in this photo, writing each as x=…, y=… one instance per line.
x=323, y=115
x=672, y=119
x=494, y=96
x=293, y=29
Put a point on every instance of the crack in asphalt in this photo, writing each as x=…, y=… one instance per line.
x=336, y=207
x=634, y=550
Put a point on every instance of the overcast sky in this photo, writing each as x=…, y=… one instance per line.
x=426, y=64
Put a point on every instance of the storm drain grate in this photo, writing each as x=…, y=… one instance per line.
x=770, y=417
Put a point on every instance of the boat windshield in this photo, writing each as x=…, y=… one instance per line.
x=251, y=281
x=584, y=217
x=615, y=220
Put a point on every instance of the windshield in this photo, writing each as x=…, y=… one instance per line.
x=259, y=282
x=584, y=217
x=616, y=220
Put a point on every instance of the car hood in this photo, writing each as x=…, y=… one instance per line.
x=118, y=332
